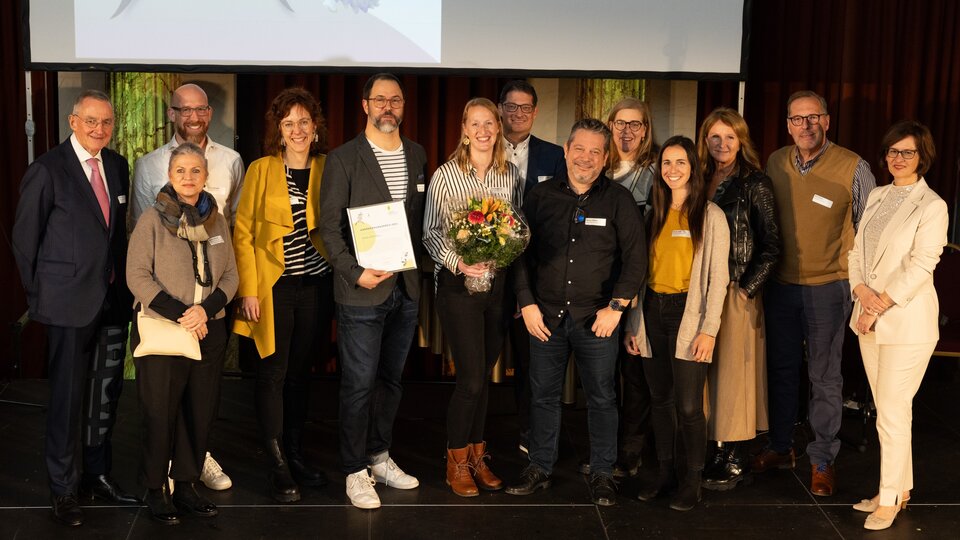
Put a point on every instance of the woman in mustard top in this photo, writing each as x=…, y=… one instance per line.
x=675, y=331
x=286, y=284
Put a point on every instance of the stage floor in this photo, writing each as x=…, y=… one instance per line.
x=776, y=505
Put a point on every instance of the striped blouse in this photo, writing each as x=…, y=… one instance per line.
x=300, y=257
x=451, y=184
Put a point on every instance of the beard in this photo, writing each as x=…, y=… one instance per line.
x=387, y=127
x=196, y=137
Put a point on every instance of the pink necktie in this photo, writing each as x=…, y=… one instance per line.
x=99, y=189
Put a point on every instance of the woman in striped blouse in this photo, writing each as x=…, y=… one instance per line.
x=473, y=323
x=286, y=284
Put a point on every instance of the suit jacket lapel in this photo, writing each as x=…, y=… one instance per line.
x=373, y=166
x=908, y=207
x=414, y=176
x=114, y=190
x=75, y=171
x=532, y=151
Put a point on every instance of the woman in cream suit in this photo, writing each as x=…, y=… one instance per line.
x=898, y=245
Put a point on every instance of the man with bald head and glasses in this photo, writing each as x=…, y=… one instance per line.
x=820, y=190
x=70, y=244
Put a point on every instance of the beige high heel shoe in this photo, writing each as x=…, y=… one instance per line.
x=876, y=523
x=870, y=505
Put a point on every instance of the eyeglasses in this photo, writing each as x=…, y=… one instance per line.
x=907, y=155
x=814, y=119
x=395, y=102
x=526, y=108
x=187, y=111
x=92, y=123
x=635, y=125
x=304, y=124
x=578, y=215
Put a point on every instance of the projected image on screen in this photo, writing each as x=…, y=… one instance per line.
x=324, y=31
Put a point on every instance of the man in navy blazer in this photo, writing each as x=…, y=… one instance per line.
x=69, y=241
x=538, y=161
x=376, y=309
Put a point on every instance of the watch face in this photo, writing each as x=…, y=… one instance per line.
x=616, y=306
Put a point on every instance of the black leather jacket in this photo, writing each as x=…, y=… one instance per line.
x=747, y=200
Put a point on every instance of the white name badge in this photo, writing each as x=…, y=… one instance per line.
x=214, y=240
x=543, y=178
x=294, y=200
x=596, y=221
x=823, y=201
x=121, y=199
x=680, y=233
x=421, y=188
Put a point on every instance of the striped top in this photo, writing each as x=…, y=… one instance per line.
x=300, y=257
x=393, y=165
x=450, y=185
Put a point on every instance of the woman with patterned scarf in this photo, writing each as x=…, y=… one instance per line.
x=182, y=242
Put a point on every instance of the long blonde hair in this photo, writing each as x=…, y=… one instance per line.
x=747, y=157
x=462, y=153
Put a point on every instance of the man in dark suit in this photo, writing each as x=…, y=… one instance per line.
x=376, y=310
x=70, y=243
x=538, y=161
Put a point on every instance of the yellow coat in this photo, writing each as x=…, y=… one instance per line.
x=264, y=217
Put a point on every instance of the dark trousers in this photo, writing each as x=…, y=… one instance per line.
x=676, y=386
x=635, y=406
x=373, y=342
x=302, y=308
x=597, y=364
x=816, y=315
x=474, y=325
x=178, y=401
x=70, y=354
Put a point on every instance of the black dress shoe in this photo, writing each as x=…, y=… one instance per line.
x=531, y=479
x=304, y=473
x=603, y=490
x=161, y=507
x=66, y=509
x=186, y=498
x=105, y=488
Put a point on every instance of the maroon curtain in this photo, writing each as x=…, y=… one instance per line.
x=875, y=61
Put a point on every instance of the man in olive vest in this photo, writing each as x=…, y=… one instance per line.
x=820, y=189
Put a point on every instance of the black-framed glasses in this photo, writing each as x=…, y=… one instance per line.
x=579, y=216
x=92, y=123
x=188, y=111
x=892, y=153
x=634, y=125
x=395, y=102
x=526, y=108
x=798, y=120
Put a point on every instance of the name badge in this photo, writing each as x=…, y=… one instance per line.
x=294, y=200
x=121, y=199
x=214, y=240
x=680, y=233
x=543, y=178
x=596, y=221
x=421, y=188
x=823, y=201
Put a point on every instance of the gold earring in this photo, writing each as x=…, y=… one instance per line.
x=466, y=141
x=316, y=137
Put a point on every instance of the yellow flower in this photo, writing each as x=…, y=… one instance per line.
x=463, y=234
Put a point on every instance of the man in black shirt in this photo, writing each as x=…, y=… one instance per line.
x=586, y=260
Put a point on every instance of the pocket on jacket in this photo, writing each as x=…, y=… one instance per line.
x=57, y=268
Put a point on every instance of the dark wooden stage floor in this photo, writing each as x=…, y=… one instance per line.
x=777, y=505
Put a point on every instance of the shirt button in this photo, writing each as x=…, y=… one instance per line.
x=571, y=260
x=873, y=276
x=568, y=302
x=569, y=282
x=573, y=239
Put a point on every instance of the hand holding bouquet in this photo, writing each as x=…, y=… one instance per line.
x=485, y=229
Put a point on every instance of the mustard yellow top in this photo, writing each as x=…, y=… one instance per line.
x=672, y=256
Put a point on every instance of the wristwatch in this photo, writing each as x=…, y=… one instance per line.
x=617, y=306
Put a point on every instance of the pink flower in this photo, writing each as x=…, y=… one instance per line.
x=476, y=217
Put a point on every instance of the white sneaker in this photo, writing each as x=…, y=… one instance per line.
x=360, y=490
x=213, y=476
x=388, y=474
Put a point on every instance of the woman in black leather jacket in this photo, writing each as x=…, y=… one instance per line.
x=737, y=379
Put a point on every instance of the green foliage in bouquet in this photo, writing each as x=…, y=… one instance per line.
x=488, y=229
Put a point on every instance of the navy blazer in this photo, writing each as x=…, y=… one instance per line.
x=544, y=160
x=352, y=177
x=64, y=250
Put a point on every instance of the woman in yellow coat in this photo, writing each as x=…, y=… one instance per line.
x=286, y=284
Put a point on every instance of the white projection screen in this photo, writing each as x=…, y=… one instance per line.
x=680, y=39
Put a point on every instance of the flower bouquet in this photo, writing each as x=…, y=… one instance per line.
x=486, y=229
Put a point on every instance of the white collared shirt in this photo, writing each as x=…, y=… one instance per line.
x=83, y=156
x=518, y=154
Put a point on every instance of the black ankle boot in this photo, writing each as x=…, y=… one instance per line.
x=304, y=473
x=282, y=486
x=689, y=493
x=161, y=505
x=733, y=471
x=665, y=482
x=716, y=462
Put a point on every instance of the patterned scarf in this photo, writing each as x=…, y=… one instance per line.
x=193, y=223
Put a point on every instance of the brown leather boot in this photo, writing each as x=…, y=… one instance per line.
x=458, y=472
x=482, y=474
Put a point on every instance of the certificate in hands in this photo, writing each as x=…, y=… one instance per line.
x=381, y=237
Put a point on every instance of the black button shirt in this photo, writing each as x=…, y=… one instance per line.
x=584, y=249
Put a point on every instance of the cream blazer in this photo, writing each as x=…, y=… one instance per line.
x=908, y=251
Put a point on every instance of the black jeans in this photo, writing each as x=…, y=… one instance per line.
x=475, y=326
x=676, y=386
x=303, y=306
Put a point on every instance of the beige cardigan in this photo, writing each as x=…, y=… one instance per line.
x=157, y=260
x=709, y=277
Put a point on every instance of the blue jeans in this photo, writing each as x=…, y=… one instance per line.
x=817, y=315
x=597, y=364
x=373, y=342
